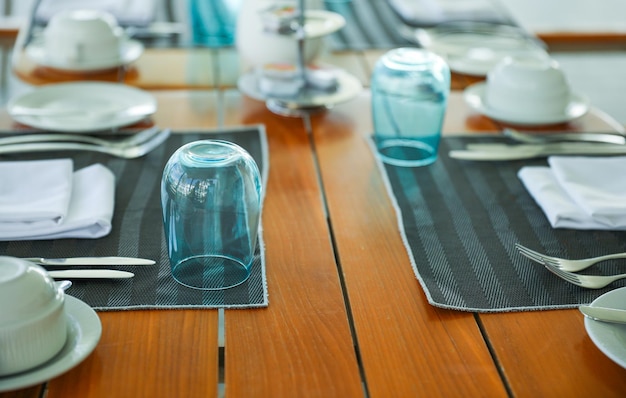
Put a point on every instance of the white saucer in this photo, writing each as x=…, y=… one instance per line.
x=130, y=50
x=84, y=331
x=348, y=87
x=474, y=48
x=474, y=96
x=93, y=99
x=610, y=338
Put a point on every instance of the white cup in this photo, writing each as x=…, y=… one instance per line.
x=82, y=36
x=258, y=47
x=33, y=322
x=527, y=86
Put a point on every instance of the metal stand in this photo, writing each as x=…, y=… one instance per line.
x=286, y=108
x=310, y=98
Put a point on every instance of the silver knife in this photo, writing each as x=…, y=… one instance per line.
x=495, y=151
x=613, y=137
x=604, y=314
x=91, y=274
x=139, y=110
x=90, y=261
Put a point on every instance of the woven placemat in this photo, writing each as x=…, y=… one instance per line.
x=138, y=232
x=460, y=221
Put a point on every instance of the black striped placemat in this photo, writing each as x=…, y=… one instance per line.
x=138, y=232
x=460, y=221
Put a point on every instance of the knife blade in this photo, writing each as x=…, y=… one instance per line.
x=112, y=260
x=604, y=314
x=139, y=110
x=90, y=274
x=496, y=151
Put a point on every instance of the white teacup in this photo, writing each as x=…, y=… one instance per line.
x=82, y=36
x=527, y=86
x=259, y=47
x=33, y=322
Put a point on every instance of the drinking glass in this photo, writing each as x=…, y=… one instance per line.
x=211, y=202
x=410, y=88
x=213, y=22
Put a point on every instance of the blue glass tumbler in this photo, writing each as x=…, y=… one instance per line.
x=213, y=22
x=211, y=202
x=410, y=88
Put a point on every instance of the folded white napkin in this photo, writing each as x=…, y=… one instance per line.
x=46, y=200
x=35, y=190
x=580, y=192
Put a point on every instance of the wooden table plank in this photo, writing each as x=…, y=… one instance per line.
x=301, y=346
x=406, y=345
x=164, y=353
x=548, y=354
x=30, y=392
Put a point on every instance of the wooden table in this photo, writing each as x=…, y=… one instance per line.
x=347, y=317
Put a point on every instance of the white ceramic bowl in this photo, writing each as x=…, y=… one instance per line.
x=33, y=323
x=79, y=36
x=527, y=85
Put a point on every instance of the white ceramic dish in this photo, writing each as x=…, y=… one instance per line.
x=130, y=51
x=84, y=331
x=91, y=98
x=474, y=96
x=34, y=326
x=610, y=338
x=529, y=84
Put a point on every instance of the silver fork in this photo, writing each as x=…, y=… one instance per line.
x=586, y=281
x=132, y=140
x=564, y=264
x=128, y=152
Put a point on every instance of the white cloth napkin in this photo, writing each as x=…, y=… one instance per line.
x=47, y=200
x=580, y=192
x=35, y=190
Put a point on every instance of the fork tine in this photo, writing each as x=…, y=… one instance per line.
x=531, y=254
x=532, y=257
x=567, y=276
x=553, y=262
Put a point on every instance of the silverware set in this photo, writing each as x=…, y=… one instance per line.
x=567, y=269
x=134, y=146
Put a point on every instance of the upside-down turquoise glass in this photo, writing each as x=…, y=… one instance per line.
x=410, y=88
x=213, y=22
x=211, y=202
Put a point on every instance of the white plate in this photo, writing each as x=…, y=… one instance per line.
x=96, y=100
x=84, y=331
x=610, y=338
x=130, y=50
x=475, y=48
x=348, y=87
x=474, y=96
